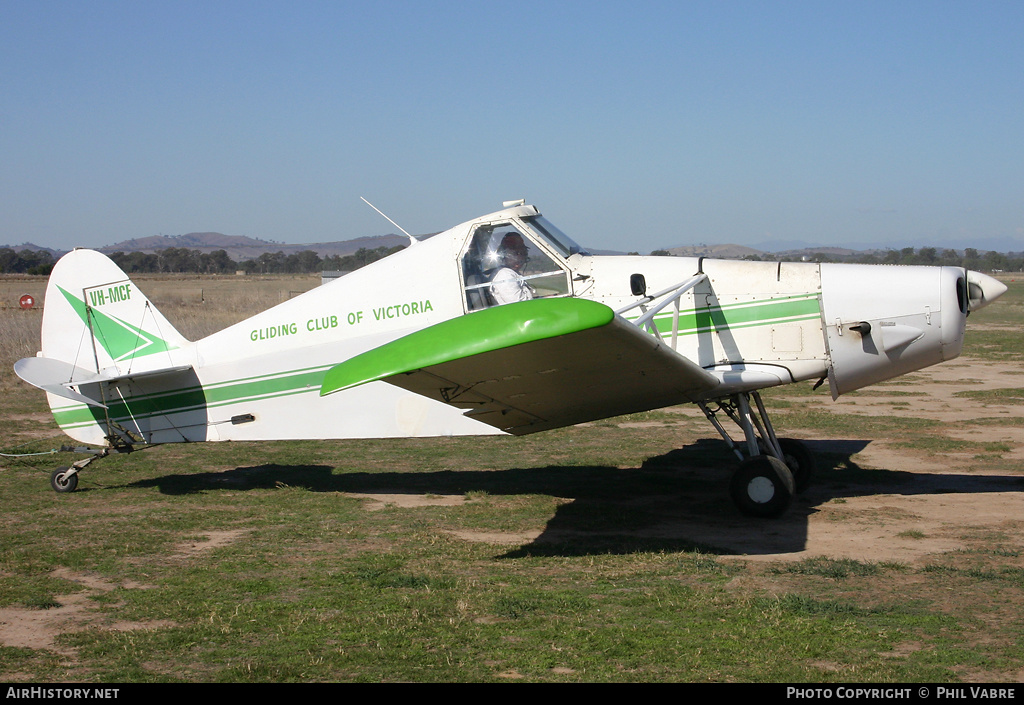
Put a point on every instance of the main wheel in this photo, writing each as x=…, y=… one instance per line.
x=63, y=480
x=800, y=461
x=762, y=486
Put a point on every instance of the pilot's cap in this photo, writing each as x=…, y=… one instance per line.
x=512, y=244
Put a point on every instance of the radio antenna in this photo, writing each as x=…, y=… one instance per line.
x=412, y=240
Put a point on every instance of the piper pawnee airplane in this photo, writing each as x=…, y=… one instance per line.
x=420, y=344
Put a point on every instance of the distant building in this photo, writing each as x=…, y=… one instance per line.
x=331, y=275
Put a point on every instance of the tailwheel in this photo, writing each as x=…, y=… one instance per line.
x=800, y=461
x=762, y=486
x=64, y=479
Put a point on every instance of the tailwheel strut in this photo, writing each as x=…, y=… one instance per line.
x=772, y=470
x=65, y=479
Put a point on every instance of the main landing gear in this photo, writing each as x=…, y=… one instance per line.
x=772, y=470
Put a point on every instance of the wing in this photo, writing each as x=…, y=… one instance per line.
x=533, y=366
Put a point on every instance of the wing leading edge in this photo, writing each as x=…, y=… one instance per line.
x=533, y=366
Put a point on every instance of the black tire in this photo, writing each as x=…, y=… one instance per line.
x=63, y=480
x=762, y=487
x=800, y=461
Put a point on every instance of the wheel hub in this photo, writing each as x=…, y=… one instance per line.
x=761, y=490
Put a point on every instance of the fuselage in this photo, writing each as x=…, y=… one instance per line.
x=765, y=323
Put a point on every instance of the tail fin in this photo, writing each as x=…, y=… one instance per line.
x=96, y=319
x=107, y=355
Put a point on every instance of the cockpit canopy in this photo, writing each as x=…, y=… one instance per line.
x=516, y=259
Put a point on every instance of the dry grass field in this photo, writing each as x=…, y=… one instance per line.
x=197, y=305
x=604, y=552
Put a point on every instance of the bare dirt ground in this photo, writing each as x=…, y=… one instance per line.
x=24, y=627
x=947, y=498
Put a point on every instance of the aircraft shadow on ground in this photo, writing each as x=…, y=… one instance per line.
x=678, y=501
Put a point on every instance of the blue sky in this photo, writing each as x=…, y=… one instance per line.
x=632, y=125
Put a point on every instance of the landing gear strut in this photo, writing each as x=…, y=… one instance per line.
x=120, y=439
x=772, y=470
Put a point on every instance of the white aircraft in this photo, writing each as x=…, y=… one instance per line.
x=417, y=344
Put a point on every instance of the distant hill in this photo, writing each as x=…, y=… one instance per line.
x=191, y=241
x=241, y=248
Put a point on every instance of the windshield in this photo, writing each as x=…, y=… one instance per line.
x=564, y=244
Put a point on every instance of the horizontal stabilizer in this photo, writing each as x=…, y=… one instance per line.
x=533, y=366
x=57, y=377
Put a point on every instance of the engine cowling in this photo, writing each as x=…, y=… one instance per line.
x=882, y=322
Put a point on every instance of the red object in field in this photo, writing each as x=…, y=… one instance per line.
x=27, y=301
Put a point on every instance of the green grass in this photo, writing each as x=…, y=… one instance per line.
x=1013, y=396
x=313, y=586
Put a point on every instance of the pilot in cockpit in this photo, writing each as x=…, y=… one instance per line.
x=508, y=284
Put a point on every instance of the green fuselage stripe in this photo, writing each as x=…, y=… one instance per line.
x=195, y=398
x=741, y=315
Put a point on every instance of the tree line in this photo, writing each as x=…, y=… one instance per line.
x=25, y=262
x=180, y=260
